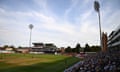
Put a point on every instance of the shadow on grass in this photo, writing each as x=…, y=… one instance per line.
x=57, y=66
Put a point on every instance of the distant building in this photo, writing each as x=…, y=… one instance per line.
x=23, y=50
x=104, y=42
x=114, y=40
x=62, y=50
x=7, y=50
x=43, y=48
x=38, y=45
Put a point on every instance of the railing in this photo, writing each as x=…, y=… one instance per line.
x=75, y=66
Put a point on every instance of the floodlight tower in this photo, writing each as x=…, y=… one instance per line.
x=30, y=27
x=97, y=9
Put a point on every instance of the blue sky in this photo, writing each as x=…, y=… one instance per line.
x=62, y=22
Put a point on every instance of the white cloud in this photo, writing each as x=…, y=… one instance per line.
x=41, y=3
x=68, y=32
x=48, y=27
x=2, y=10
x=110, y=19
x=49, y=23
x=73, y=4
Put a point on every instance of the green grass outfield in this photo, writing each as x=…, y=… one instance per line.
x=35, y=63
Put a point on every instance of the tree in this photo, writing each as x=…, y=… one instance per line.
x=87, y=48
x=20, y=47
x=77, y=48
x=68, y=49
x=11, y=46
x=95, y=48
x=74, y=50
x=5, y=46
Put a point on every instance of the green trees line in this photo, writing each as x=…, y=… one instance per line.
x=78, y=48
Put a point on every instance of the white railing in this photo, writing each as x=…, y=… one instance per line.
x=70, y=69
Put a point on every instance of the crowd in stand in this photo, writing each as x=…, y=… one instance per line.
x=101, y=62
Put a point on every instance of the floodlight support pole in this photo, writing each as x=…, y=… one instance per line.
x=100, y=29
x=30, y=38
